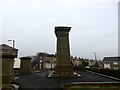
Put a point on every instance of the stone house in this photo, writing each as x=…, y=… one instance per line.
x=76, y=61
x=43, y=61
x=111, y=62
x=50, y=62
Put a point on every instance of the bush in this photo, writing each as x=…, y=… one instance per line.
x=113, y=73
x=79, y=68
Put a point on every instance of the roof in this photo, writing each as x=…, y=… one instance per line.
x=45, y=54
x=4, y=46
x=111, y=59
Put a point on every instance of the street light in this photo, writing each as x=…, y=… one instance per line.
x=95, y=55
x=13, y=43
x=95, y=59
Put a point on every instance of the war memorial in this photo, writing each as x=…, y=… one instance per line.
x=63, y=67
x=27, y=79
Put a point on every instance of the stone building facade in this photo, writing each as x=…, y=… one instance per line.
x=42, y=61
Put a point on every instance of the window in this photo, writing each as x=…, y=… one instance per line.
x=107, y=62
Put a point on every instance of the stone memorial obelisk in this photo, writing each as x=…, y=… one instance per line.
x=63, y=63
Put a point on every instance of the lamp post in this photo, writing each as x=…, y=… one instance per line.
x=13, y=43
x=95, y=59
x=95, y=56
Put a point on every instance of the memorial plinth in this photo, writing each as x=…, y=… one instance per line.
x=63, y=64
x=25, y=66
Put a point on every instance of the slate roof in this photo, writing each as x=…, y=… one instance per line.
x=111, y=59
x=4, y=46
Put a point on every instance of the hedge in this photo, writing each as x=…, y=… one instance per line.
x=113, y=73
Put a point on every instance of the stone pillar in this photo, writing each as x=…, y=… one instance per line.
x=7, y=69
x=7, y=55
x=63, y=65
x=25, y=66
x=0, y=71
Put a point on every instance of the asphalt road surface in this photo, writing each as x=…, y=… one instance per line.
x=39, y=80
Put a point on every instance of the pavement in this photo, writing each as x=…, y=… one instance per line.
x=39, y=81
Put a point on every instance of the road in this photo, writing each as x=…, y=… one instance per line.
x=40, y=80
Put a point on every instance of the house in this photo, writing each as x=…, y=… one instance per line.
x=50, y=62
x=76, y=61
x=43, y=61
x=91, y=63
x=111, y=62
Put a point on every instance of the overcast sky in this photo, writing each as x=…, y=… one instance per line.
x=31, y=24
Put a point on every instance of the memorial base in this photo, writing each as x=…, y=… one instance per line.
x=63, y=72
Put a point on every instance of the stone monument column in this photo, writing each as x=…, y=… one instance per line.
x=63, y=65
x=25, y=65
